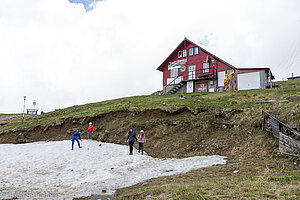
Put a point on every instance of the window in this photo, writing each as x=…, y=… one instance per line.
x=179, y=54
x=192, y=72
x=184, y=53
x=173, y=72
x=196, y=51
x=205, y=67
x=191, y=51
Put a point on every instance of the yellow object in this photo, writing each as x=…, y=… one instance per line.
x=229, y=82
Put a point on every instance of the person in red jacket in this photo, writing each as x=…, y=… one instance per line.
x=90, y=130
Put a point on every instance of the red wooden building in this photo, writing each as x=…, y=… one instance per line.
x=190, y=68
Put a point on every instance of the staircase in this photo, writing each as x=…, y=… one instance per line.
x=176, y=88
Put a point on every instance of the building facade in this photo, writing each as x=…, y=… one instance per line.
x=190, y=68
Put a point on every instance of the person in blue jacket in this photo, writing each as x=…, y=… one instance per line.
x=131, y=137
x=75, y=136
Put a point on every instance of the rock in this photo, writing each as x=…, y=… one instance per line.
x=227, y=109
x=235, y=171
x=196, y=112
x=182, y=97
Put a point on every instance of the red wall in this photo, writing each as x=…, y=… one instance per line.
x=197, y=60
x=205, y=84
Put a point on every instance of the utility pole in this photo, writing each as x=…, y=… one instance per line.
x=24, y=108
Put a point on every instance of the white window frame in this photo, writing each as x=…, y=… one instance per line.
x=173, y=72
x=191, y=51
x=184, y=53
x=205, y=67
x=196, y=50
x=179, y=54
x=191, y=73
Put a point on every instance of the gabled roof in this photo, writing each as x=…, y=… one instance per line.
x=160, y=68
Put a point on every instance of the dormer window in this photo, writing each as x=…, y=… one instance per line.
x=179, y=54
x=182, y=53
x=191, y=51
x=196, y=51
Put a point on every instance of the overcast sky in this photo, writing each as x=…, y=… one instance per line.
x=62, y=53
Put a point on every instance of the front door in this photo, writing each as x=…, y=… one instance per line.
x=192, y=72
x=190, y=87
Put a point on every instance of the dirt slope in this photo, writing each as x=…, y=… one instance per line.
x=179, y=133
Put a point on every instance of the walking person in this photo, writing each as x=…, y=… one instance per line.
x=141, y=139
x=90, y=130
x=75, y=136
x=131, y=137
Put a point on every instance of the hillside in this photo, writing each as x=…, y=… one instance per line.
x=224, y=123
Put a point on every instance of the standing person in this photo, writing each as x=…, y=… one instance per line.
x=90, y=130
x=141, y=139
x=131, y=137
x=75, y=136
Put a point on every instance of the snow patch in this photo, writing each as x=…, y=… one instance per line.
x=53, y=168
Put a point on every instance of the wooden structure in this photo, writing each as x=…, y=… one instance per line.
x=289, y=138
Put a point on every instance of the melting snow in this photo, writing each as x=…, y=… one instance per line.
x=52, y=168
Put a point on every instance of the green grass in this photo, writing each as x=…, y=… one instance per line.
x=231, y=99
x=282, y=185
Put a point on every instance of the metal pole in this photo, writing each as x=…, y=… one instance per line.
x=270, y=78
x=24, y=108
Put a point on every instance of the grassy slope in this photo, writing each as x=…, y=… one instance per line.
x=287, y=111
x=263, y=172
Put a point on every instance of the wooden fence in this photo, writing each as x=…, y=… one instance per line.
x=289, y=138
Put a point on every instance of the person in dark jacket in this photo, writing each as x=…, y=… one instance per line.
x=131, y=137
x=75, y=136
